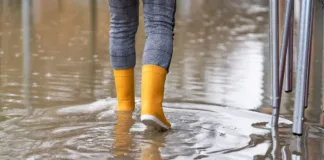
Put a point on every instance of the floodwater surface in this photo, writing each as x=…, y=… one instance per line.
x=57, y=96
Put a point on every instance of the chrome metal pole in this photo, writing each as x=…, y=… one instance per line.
x=305, y=26
x=26, y=20
x=93, y=42
x=274, y=51
x=283, y=55
x=290, y=54
x=284, y=44
x=309, y=59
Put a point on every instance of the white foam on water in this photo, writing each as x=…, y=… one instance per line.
x=97, y=106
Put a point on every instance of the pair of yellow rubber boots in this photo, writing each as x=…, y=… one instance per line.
x=153, y=80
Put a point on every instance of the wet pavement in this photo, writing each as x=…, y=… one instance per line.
x=59, y=102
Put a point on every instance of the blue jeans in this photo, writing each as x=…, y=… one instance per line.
x=159, y=24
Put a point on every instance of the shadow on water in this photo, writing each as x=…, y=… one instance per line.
x=56, y=82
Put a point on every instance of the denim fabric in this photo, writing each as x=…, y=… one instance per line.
x=159, y=25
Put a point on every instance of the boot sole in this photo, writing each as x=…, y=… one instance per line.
x=152, y=121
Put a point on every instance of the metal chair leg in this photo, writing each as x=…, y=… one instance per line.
x=305, y=26
x=309, y=59
x=285, y=44
x=290, y=54
x=26, y=11
x=279, y=75
x=274, y=51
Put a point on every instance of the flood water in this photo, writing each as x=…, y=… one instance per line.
x=57, y=98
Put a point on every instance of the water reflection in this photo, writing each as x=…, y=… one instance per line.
x=150, y=147
x=220, y=47
x=276, y=152
x=123, y=139
x=220, y=71
x=297, y=150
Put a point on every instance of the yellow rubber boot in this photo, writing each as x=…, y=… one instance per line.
x=124, y=80
x=152, y=115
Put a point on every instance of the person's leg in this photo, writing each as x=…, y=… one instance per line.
x=123, y=28
x=159, y=25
